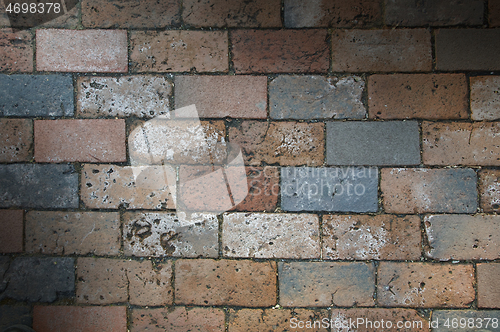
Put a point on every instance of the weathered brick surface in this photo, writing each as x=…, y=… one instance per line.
x=281, y=51
x=80, y=140
x=461, y=143
x=271, y=235
x=381, y=50
x=316, y=97
x=489, y=190
x=263, y=189
x=225, y=282
x=68, y=233
x=476, y=320
x=81, y=50
x=418, y=96
x=16, y=51
x=485, y=97
x=494, y=13
x=69, y=20
x=13, y=315
x=16, y=139
x=375, y=319
x=372, y=143
x=421, y=190
x=425, y=285
x=11, y=231
x=179, y=51
x=141, y=96
x=364, y=237
x=488, y=285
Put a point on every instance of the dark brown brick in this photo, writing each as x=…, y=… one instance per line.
x=16, y=140
x=376, y=319
x=489, y=190
x=488, y=285
x=485, y=97
x=11, y=231
x=494, y=13
x=16, y=51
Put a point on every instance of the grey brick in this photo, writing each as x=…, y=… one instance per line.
x=38, y=186
x=13, y=315
x=36, y=95
x=440, y=317
x=372, y=143
x=340, y=189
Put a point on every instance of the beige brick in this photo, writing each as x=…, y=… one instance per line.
x=489, y=190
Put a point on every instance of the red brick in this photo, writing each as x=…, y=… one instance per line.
x=375, y=319
x=16, y=139
x=266, y=51
x=16, y=51
x=232, y=14
x=485, y=97
x=80, y=140
x=425, y=285
x=263, y=189
x=494, y=13
x=81, y=50
x=179, y=51
x=488, y=285
x=11, y=231
x=381, y=50
x=225, y=282
x=460, y=143
x=489, y=190
x=84, y=319
x=424, y=96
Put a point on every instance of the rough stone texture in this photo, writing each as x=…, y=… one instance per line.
x=38, y=186
x=286, y=143
x=322, y=284
x=16, y=139
x=335, y=14
x=485, y=97
x=494, y=13
x=263, y=189
x=273, y=235
x=372, y=143
x=280, y=51
x=363, y=237
x=225, y=282
x=489, y=190
x=422, y=190
x=13, y=315
x=316, y=97
x=76, y=318
x=467, y=49
x=488, y=285
x=16, y=51
x=81, y=50
x=68, y=20
x=381, y=50
x=425, y=285
x=141, y=96
x=462, y=237
x=418, y=96
x=68, y=233
x=11, y=231
x=36, y=95
x=223, y=96
x=92, y=140
x=476, y=320
x=461, y=143
x=232, y=13
x=375, y=320
x=179, y=51
x=345, y=189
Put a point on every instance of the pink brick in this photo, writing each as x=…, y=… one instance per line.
x=16, y=51
x=11, y=231
x=16, y=139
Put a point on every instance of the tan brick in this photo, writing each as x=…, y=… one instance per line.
x=488, y=285
x=16, y=140
x=16, y=51
x=494, y=13
x=364, y=237
x=80, y=140
x=424, y=96
x=375, y=319
x=489, y=190
x=381, y=50
x=425, y=285
x=11, y=231
x=485, y=97
x=225, y=282
x=81, y=50
x=68, y=233
x=461, y=143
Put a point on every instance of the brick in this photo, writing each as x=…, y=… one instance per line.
x=223, y=96
x=140, y=96
x=16, y=139
x=461, y=143
x=425, y=285
x=409, y=13
x=286, y=143
x=68, y=233
x=16, y=51
x=488, y=290
x=271, y=235
x=225, y=282
x=372, y=143
x=418, y=96
x=232, y=14
x=76, y=318
x=128, y=14
x=316, y=97
x=422, y=190
x=489, y=190
x=280, y=51
x=177, y=319
x=38, y=186
x=11, y=234
x=485, y=97
x=80, y=140
x=494, y=13
x=364, y=237
x=36, y=95
x=179, y=51
x=442, y=320
x=106, y=281
x=263, y=189
x=13, y=315
x=81, y=50
x=467, y=49
x=381, y=50
x=346, y=189
x=375, y=319
x=322, y=284
x=334, y=14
